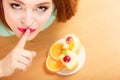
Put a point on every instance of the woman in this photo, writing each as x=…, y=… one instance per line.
x=26, y=19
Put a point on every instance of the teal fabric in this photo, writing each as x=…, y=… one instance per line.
x=49, y=22
x=6, y=32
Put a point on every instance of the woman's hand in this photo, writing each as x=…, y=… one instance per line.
x=18, y=58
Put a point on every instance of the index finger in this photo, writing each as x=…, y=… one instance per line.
x=23, y=39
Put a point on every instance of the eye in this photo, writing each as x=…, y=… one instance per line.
x=16, y=6
x=42, y=8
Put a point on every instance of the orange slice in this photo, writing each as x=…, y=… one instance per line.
x=56, y=50
x=53, y=65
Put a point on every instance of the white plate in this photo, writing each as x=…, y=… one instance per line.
x=81, y=57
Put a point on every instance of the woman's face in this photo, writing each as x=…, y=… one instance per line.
x=27, y=14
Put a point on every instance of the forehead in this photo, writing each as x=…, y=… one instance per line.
x=32, y=1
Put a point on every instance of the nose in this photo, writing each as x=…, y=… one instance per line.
x=27, y=18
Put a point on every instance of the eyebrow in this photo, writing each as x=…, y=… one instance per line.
x=41, y=3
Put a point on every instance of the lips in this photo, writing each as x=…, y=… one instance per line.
x=24, y=30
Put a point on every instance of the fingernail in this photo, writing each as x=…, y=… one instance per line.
x=28, y=31
x=24, y=70
x=34, y=53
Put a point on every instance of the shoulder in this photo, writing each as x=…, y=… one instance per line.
x=49, y=22
x=4, y=31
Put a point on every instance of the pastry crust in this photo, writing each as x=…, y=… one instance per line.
x=76, y=43
x=72, y=64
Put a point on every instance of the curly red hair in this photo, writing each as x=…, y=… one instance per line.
x=64, y=10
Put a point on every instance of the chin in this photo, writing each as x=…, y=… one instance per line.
x=30, y=38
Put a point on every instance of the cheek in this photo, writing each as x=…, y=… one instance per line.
x=43, y=19
x=11, y=18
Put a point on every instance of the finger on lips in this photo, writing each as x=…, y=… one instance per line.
x=26, y=56
x=23, y=39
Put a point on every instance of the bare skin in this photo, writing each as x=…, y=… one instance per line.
x=18, y=58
